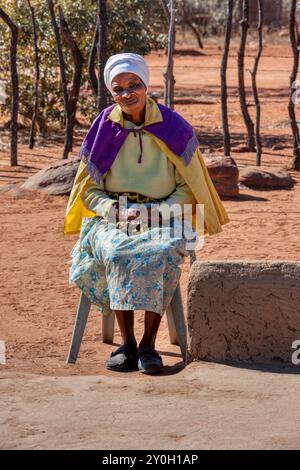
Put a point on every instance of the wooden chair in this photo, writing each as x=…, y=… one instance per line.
x=175, y=318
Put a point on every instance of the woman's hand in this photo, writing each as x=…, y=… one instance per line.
x=145, y=216
x=126, y=215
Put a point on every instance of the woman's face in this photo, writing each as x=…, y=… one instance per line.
x=129, y=92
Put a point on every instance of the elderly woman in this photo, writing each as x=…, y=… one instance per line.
x=149, y=154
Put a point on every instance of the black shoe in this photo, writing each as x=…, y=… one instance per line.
x=149, y=361
x=123, y=359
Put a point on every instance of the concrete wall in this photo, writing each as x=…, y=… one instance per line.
x=244, y=311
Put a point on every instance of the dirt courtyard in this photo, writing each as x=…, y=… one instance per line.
x=46, y=403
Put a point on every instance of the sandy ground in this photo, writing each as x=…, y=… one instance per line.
x=48, y=404
x=206, y=406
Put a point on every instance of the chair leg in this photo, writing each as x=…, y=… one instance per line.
x=83, y=311
x=177, y=325
x=108, y=327
x=171, y=326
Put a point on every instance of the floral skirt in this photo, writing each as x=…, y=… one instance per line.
x=117, y=271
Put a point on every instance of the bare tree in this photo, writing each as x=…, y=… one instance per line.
x=226, y=134
x=91, y=61
x=15, y=87
x=76, y=78
x=241, y=77
x=187, y=19
x=63, y=79
x=260, y=5
x=166, y=10
x=169, y=75
x=293, y=87
x=37, y=77
x=102, y=52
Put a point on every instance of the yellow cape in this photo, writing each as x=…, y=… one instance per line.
x=195, y=174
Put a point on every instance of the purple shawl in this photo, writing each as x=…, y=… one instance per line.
x=105, y=138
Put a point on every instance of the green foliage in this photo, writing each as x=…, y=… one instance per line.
x=136, y=25
x=133, y=25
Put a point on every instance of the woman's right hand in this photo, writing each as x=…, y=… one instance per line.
x=117, y=214
x=129, y=214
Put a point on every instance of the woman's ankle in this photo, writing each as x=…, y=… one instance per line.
x=130, y=344
x=147, y=345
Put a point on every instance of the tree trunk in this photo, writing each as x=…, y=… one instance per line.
x=241, y=78
x=37, y=78
x=293, y=87
x=196, y=32
x=260, y=5
x=102, y=52
x=78, y=65
x=226, y=134
x=91, y=62
x=297, y=33
x=63, y=79
x=168, y=75
x=15, y=88
x=166, y=10
x=41, y=117
x=187, y=21
x=278, y=14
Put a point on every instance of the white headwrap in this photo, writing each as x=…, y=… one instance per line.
x=125, y=62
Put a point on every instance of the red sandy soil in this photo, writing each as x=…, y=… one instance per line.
x=38, y=305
